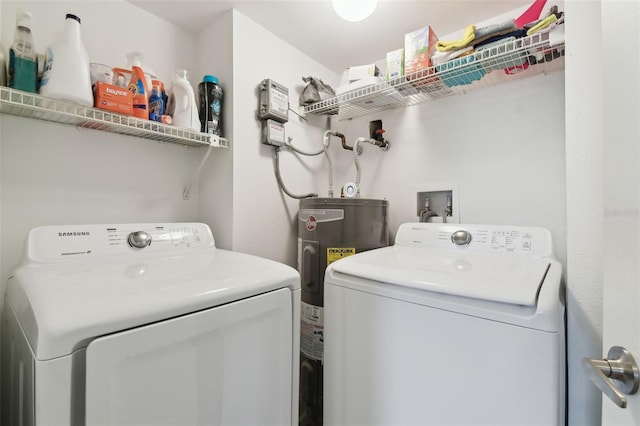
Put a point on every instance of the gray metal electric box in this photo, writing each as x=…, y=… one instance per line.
x=273, y=101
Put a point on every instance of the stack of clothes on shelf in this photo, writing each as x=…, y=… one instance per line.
x=505, y=46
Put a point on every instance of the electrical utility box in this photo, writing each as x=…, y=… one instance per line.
x=274, y=101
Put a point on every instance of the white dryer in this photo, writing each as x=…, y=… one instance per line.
x=148, y=324
x=453, y=325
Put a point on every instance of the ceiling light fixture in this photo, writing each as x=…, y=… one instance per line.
x=354, y=10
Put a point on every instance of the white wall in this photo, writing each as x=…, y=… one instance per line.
x=56, y=174
x=502, y=148
x=216, y=183
x=265, y=220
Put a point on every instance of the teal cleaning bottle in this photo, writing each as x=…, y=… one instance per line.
x=23, y=61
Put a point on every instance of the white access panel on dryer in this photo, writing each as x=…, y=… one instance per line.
x=225, y=365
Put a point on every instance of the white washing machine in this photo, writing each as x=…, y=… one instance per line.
x=148, y=324
x=453, y=325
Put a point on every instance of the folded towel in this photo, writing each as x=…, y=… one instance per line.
x=551, y=26
x=487, y=40
x=469, y=35
x=496, y=28
x=542, y=24
x=460, y=71
x=442, y=57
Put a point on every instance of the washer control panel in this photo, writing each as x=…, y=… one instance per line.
x=55, y=243
x=477, y=238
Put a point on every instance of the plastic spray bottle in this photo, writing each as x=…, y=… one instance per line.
x=67, y=74
x=23, y=62
x=138, y=86
x=182, y=103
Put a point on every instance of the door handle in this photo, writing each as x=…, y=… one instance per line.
x=615, y=375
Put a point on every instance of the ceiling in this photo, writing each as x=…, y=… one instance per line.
x=313, y=27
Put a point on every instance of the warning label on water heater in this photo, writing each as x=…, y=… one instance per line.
x=312, y=331
x=337, y=253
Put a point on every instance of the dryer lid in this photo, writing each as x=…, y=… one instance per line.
x=91, y=283
x=506, y=279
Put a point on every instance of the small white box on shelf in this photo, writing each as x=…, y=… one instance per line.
x=395, y=64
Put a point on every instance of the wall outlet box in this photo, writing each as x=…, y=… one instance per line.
x=272, y=133
x=419, y=46
x=440, y=196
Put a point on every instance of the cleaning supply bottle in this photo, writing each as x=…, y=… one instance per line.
x=67, y=73
x=156, y=106
x=23, y=62
x=163, y=94
x=3, y=66
x=210, y=96
x=182, y=103
x=138, y=86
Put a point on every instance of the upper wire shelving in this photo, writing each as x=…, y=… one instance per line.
x=507, y=61
x=24, y=104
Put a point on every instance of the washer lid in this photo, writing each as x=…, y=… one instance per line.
x=507, y=279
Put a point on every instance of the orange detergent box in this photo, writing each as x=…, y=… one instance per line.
x=112, y=98
x=419, y=46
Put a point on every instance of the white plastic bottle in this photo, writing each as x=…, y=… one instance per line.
x=67, y=73
x=181, y=105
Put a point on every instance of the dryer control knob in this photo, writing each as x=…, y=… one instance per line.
x=139, y=239
x=461, y=237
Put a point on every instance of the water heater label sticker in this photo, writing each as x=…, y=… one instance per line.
x=312, y=330
x=337, y=253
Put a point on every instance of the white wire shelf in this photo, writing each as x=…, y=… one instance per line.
x=31, y=105
x=495, y=64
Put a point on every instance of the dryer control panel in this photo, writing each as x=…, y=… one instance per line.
x=60, y=243
x=522, y=240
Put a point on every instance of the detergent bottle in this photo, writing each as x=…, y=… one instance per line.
x=23, y=66
x=181, y=105
x=67, y=73
x=138, y=87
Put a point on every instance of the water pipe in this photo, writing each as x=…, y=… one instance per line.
x=325, y=143
x=357, y=150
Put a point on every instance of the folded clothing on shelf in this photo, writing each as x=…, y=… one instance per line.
x=495, y=56
x=474, y=35
x=460, y=71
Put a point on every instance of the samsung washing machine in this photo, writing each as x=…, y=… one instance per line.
x=148, y=324
x=453, y=325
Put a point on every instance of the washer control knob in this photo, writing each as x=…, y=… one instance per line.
x=139, y=239
x=461, y=237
